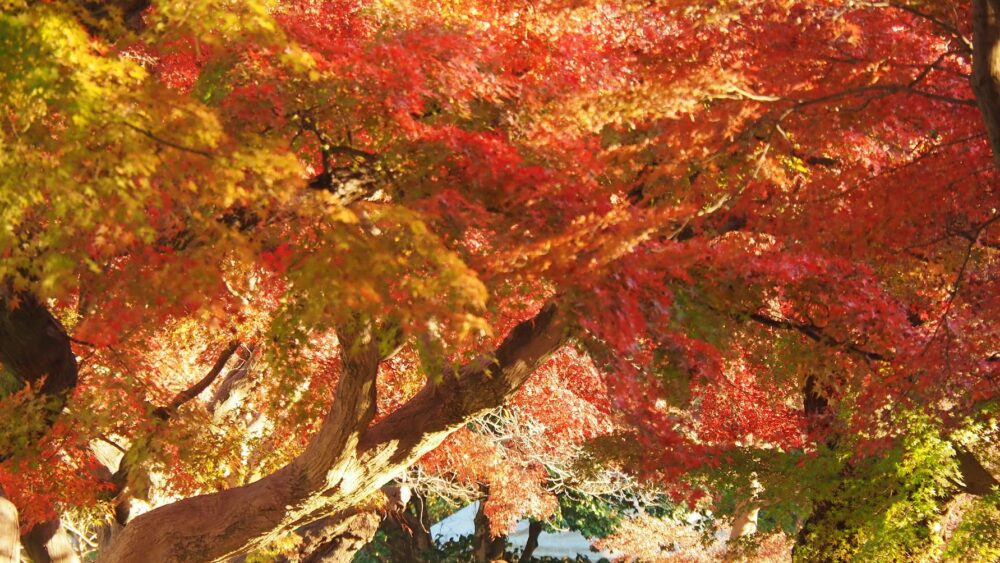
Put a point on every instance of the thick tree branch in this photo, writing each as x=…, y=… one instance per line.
x=343, y=464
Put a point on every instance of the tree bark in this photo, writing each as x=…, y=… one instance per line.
x=534, y=530
x=346, y=461
x=975, y=479
x=35, y=348
x=340, y=536
x=745, y=523
x=985, y=79
x=408, y=532
x=10, y=545
x=486, y=547
x=48, y=542
x=343, y=537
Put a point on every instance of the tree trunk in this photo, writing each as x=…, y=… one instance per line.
x=35, y=348
x=340, y=536
x=534, y=530
x=408, y=533
x=10, y=545
x=345, y=462
x=48, y=542
x=486, y=547
x=745, y=523
x=344, y=538
x=985, y=77
x=975, y=479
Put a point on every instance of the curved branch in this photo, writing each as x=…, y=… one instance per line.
x=164, y=413
x=344, y=462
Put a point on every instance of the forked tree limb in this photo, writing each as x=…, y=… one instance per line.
x=345, y=462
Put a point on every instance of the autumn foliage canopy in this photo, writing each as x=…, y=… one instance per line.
x=261, y=261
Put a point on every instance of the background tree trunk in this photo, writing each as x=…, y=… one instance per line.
x=485, y=546
x=534, y=530
x=35, y=349
x=745, y=523
x=985, y=77
x=48, y=542
x=10, y=544
x=408, y=533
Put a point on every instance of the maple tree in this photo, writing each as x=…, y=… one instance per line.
x=750, y=249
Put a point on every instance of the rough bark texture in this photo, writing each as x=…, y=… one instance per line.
x=10, y=544
x=340, y=536
x=985, y=78
x=343, y=538
x=345, y=462
x=48, y=542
